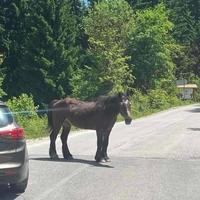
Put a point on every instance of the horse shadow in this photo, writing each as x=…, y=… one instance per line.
x=74, y=160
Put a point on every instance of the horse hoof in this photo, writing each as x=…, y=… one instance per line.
x=54, y=156
x=103, y=160
x=107, y=159
x=68, y=157
x=100, y=160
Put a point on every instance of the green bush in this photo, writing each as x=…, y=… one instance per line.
x=140, y=104
x=158, y=99
x=87, y=85
x=36, y=128
x=196, y=80
x=82, y=83
x=23, y=108
x=25, y=113
x=153, y=101
x=2, y=93
x=174, y=101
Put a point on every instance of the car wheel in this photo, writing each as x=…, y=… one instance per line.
x=20, y=187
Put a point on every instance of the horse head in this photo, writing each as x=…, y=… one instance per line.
x=125, y=107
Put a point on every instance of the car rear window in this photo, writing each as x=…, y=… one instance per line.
x=6, y=117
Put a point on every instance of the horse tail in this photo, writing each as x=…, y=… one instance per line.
x=49, y=114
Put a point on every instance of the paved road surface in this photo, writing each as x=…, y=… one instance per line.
x=155, y=158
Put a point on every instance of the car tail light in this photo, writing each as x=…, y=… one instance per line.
x=16, y=133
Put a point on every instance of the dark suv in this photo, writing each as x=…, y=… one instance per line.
x=14, y=162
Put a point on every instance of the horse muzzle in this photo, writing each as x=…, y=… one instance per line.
x=128, y=121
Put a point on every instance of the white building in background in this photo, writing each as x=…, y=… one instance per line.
x=186, y=90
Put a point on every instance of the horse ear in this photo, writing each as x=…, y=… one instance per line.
x=120, y=95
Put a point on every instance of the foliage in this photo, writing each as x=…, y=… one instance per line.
x=155, y=100
x=45, y=48
x=158, y=99
x=140, y=104
x=107, y=27
x=12, y=16
x=85, y=83
x=185, y=15
x=183, y=20
x=151, y=47
x=196, y=80
x=186, y=18
x=25, y=113
x=23, y=108
x=142, y=4
x=2, y=75
x=2, y=93
x=36, y=128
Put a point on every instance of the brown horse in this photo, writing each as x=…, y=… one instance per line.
x=99, y=115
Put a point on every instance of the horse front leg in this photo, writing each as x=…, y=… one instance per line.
x=52, y=149
x=105, y=146
x=64, y=137
x=99, y=154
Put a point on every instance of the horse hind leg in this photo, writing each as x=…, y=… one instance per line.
x=64, y=137
x=52, y=149
x=53, y=136
x=105, y=146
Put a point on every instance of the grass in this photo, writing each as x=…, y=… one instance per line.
x=137, y=112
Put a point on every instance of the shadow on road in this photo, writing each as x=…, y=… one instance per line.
x=196, y=110
x=194, y=129
x=74, y=160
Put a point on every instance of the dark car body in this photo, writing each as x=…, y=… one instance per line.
x=14, y=164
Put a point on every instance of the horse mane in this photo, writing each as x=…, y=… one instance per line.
x=109, y=103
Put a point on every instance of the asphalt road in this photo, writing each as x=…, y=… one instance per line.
x=154, y=158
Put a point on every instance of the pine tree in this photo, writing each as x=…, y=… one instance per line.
x=194, y=6
x=92, y=2
x=180, y=14
x=47, y=49
x=2, y=30
x=186, y=17
x=143, y=4
x=12, y=15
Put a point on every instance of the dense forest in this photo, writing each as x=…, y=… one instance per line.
x=56, y=48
